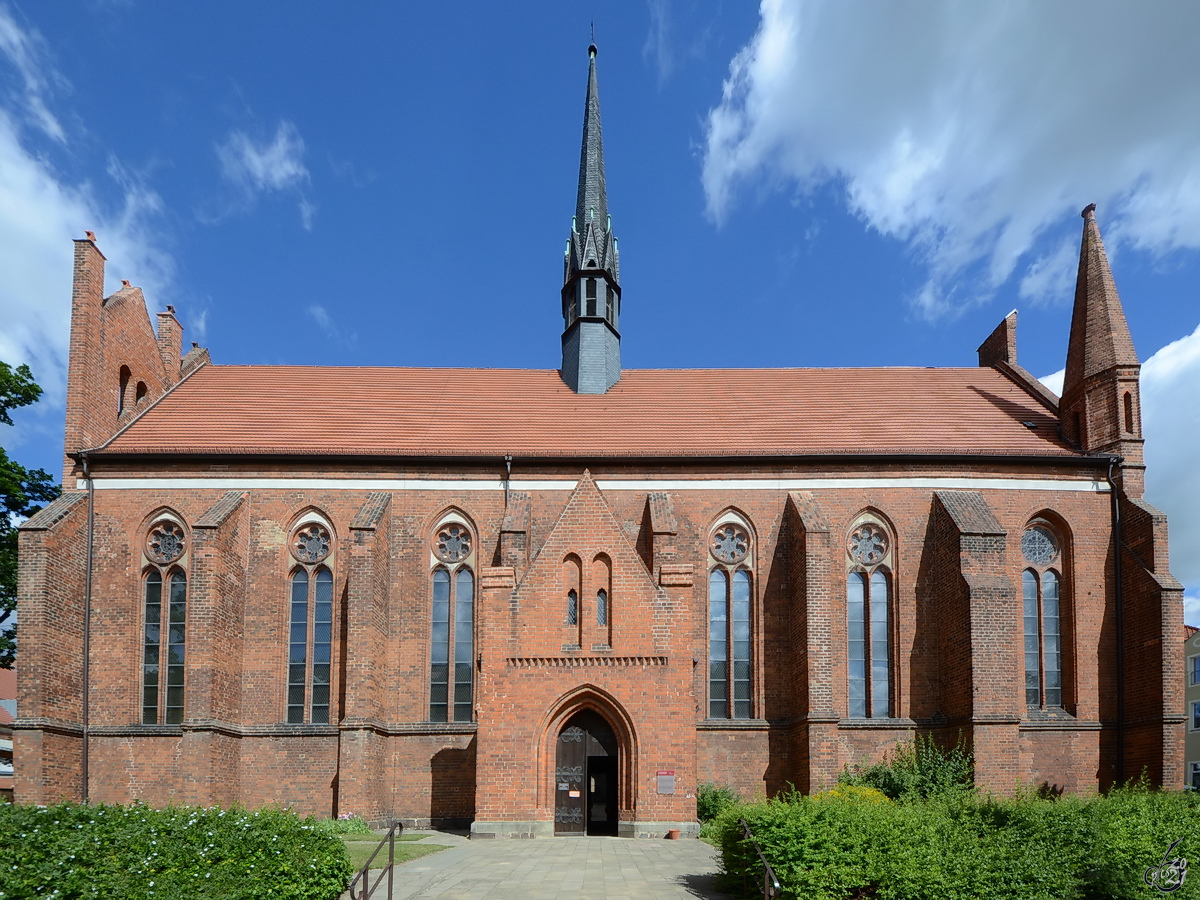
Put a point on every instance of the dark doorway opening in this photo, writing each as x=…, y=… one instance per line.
x=585, y=777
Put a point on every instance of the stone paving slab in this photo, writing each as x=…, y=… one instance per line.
x=582, y=868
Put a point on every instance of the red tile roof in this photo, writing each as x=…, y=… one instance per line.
x=8, y=684
x=656, y=413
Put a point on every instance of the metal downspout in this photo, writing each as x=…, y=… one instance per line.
x=87, y=614
x=1119, y=611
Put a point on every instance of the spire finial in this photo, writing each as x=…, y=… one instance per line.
x=592, y=46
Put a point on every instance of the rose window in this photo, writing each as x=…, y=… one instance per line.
x=453, y=543
x=730, y=544
x=165, y=542
x=1038, y=545
x=311, y=544
x=868, y=544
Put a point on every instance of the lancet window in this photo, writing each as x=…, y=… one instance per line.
x=1042, y=614
x=164, y=635
x=730, y=644
x=869, y=555
x=310, y=626
x=452, y=655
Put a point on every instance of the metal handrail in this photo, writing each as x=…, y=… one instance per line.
x=363, y=873
x=770, y=884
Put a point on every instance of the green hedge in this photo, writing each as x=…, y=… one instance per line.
x=134, y=852
x=843, y=845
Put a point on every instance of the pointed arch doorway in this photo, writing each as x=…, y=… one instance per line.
x=586, y=776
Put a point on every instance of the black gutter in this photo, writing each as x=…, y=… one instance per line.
x=1119, y=612
x=87, y=615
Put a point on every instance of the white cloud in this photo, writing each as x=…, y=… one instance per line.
x=1054, y=381
x=965, y=130
x=261, y=167
x=676, y=36
x=1171, y=426
x=658, y=40
x=321, y=316
x=1191, y=609
x=41, y=211
x=325, y=322
x=26, y=52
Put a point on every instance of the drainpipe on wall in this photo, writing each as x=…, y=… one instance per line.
x=1119, y=610
x=507, y=479
x=87, y=614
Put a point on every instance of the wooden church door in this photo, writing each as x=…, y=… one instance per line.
x=585, y=777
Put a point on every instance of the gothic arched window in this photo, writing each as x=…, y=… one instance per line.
x=868, y=613
x=452, y=654
x=1042, y=613
x=310, y=625
x=164, y=642
x=730, y=645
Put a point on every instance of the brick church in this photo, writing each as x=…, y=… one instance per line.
x=554, y=602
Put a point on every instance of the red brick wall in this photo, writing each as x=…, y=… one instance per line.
x=235, y=746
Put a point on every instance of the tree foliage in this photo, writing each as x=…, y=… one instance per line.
x=22, y=493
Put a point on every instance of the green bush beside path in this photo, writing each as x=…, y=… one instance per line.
x=85, y=852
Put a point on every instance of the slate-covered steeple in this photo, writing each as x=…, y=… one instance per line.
x=1101, y=408
x=591, y=294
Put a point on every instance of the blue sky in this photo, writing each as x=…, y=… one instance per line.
x=803, y=184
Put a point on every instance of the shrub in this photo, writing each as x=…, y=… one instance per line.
x=855, y=792
x=1133, y=827
x=347, y=823
x=135, y=852
x=918, y=769
x=850, y=844
x=713, y=799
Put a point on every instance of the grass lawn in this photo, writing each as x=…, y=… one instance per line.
x=361, y=846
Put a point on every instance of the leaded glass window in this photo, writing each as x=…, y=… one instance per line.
x=718, y=644
x=298, y=648
x=310, y=626
x=1043, y=638
x=452, y=627
x=602, y=607
x=591, y=296
x=310, y=647
x=164, y=634
x=163, y=648
x=572, y=607
x=152, y=647
x=867, y=603
x=1042, y=616
x=730, y=625
x=868, y=621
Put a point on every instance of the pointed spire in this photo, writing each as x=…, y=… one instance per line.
x=591, y=204
x=591, y=293
x=1100, y=338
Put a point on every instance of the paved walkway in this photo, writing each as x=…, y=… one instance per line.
x=587, y=868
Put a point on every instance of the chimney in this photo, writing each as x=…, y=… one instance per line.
x=85, y=363
x=170, y=344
